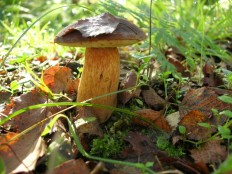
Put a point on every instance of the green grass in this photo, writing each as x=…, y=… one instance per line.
x=198, y=25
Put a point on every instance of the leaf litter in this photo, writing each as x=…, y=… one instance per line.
x=29, y=146
x=194, y=109
x=22, y=154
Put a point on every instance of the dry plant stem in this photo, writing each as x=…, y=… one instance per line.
x=100, y=76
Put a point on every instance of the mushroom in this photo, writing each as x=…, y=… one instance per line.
x=101, y=35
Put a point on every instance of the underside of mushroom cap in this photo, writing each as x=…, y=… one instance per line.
x=104, y=30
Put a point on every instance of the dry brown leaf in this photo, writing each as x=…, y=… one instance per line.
x=203, y=100
x=210, y=152
x=197, y=108
x=155, y=117
x=4, y=95
x=129, y=81
x=41, y=58
x=193, y=130
x=175, y=57
x=72, y=167
x=152, y=99
x=21, y=155
x=179, y=66
x=58, y=79
x=140, y=143
x=145, y=150
x=210, y=77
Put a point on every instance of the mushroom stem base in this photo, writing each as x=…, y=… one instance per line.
x=100, y=76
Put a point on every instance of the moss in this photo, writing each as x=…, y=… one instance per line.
x=108, y=146
x=163, y=144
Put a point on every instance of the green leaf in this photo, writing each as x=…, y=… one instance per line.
x=14, y=85
x=206, y=125
x=2, y=167
x=227, y=113
x=139, y=102
x=166, y=74
x=215, y=111
x=182, y=129
x=149, y=164
x=225, y=167
x=225, y=132
x=226, y=99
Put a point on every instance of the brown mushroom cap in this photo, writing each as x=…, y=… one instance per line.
x=104, y=30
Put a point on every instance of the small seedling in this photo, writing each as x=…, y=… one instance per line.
x=182, y=129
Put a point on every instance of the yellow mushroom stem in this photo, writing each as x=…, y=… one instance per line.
x=100, y=76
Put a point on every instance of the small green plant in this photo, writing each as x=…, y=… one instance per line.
x=163, y=144
x=225, y=167
x=107, y=146
x=182, y=129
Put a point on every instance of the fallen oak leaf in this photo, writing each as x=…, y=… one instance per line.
x=195, y=131
x=30, y=146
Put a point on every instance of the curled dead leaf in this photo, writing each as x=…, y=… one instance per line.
x=58, y=79
x=152, y=99
x=175, y=57
x=155, y=117
x=210, y=77
x=129, y=81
